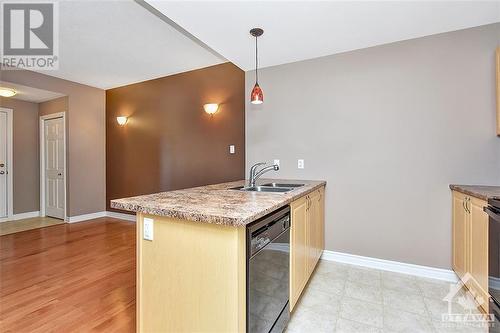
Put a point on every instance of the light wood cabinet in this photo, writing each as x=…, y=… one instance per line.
x=298, y=249
x=306, y=241
x=459, y=234
x=478, y=260
x=470, y=245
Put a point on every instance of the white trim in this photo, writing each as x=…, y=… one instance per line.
x=26, y=215
x=42, y=162
x=392, y=266
x=20, y=216
x=91, y=216
x=85, y=217
x=9, y=162
x=121, y=216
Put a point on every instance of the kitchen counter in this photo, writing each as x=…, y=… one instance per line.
x=478, y=191
x=217, y=203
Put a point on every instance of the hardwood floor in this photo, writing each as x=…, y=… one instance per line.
x=70, y=277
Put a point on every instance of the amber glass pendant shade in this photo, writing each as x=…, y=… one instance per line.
x=257, y=96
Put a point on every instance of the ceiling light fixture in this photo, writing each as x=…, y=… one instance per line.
x=257, y=96
x=7, y=92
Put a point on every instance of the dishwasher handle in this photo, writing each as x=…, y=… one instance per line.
x=495, y=215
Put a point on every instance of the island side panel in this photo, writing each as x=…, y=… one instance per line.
x=191, y=277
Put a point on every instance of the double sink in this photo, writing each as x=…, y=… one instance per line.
x=269, y=187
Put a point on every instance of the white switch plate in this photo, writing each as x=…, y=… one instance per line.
x=300, y=164
x=148, y=229
x=231, y=149
x=277, y=162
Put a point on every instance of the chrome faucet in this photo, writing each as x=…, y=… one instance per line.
x=254, y=175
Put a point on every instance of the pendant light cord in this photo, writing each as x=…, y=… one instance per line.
x=256, y=62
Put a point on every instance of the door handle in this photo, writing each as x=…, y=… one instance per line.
x=59, y=174
x=2, y=165
x=2, y=172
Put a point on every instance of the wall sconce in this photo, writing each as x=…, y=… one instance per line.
x=211, y=108
x=122, y=120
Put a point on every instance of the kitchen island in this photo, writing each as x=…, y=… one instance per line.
x=192, y=273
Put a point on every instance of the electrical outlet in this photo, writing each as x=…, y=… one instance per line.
x=231, y=149
x=277, y=162
x=300, y=164
x=148, y=229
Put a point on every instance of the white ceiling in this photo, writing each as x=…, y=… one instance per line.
x=30, y=94
x=298, y=30
x=106, y=44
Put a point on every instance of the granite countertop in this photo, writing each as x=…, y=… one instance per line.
x=478, y=191
x=216, y=203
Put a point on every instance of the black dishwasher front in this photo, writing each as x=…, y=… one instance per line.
x=268, y=267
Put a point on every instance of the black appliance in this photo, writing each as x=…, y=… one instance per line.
x=268, y=273
x=493, y=210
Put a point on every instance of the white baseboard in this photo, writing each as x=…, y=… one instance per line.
x=121, y=216
x=21, y=216
x=85, y=217
x=392, y=266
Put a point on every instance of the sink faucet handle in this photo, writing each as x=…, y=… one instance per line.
x=255, y=166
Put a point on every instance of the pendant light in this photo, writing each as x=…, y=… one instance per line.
x=257, y=96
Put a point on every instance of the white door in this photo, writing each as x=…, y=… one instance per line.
x=54, y=167
x=3, y=164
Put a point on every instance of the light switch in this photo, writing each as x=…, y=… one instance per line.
x=300, y=164
x=277, y=162
x=231, y=149
x=148, y=229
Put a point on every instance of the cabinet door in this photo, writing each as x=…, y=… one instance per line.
x=460, y=218
x=315, y=232
x=298, y=249
x=478, y=265
x=321, y=220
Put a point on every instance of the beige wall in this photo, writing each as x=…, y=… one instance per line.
x=86, y=138
x=53, y=106
x=26, y=174
x=389, y=128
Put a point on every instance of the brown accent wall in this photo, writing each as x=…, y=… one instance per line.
x=53, y=106
x=169, y=142
x=86, y=138
x=26, y=165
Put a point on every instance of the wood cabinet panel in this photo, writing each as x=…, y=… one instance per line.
x=459, y=234
x=307, y=240
x=316, y=235
x=322, y=219
x=298, y=249
x=470, y=245
x=478, y=259
x=191, y=277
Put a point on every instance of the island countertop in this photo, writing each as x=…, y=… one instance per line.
x=216, y=203
x=479, y=191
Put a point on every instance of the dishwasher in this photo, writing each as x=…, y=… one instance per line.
x=268, y=273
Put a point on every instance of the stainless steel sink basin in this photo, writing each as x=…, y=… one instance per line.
x=272, y=189
x=282, y=185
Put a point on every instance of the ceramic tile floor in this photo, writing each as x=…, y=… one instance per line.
x=11, y=227
x=345, y=298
